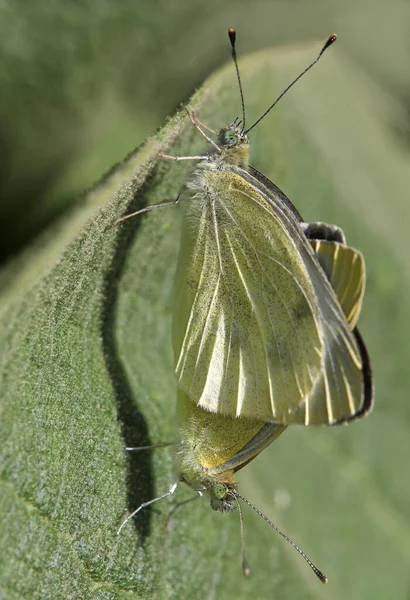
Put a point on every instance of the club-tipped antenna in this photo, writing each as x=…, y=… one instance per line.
x=319, y=574
x=232, y=38
x=245, y=566
x=332, y=38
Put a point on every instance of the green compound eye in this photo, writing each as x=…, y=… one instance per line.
x=231, y=136
x=219, y=491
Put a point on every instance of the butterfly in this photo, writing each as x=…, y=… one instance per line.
x=265, y=319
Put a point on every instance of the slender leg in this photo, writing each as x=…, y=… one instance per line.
x=161, y=445
x=193, y=116
x=200, y=127
x=144, y=504
x=147, y=209
x=182, y=157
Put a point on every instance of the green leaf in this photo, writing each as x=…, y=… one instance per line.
x=86, y=370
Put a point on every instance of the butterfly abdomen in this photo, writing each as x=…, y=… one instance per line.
x=208, y=441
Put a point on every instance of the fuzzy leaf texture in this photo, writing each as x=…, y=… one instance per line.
x=87, y=369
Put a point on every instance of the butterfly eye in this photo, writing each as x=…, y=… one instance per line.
x=228, y=137
x=221, y=498
x=218, y=491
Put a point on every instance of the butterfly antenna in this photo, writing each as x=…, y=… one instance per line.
x=332, y=38
x=245, y=567
x=232, y=38
x=319, y=574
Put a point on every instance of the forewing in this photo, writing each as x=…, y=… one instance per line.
x=258, y=331
x=246, y=338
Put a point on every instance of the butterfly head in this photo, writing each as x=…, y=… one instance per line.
x=223, y=495
x=232, y=136
x=235, y=144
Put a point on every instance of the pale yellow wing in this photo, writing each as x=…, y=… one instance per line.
x=345, y=270
x=258, y=331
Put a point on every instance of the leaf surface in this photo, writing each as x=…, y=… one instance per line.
x=86, y=370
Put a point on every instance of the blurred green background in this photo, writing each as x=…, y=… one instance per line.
x=83, y=83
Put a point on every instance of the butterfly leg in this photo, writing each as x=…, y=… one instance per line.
x=200, y=127
x=144, y=504
x=139, y=212
x=161, y=155
x=160, y=445
x=195, y=121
